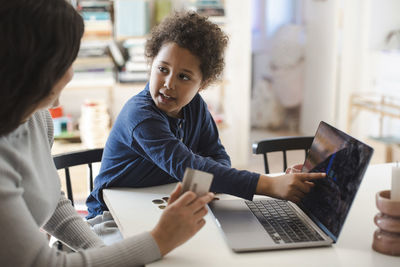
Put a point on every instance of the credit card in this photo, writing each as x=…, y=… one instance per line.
x=196, y=181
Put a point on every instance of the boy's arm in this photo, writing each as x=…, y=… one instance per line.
x=210, y=144
x=158, y=145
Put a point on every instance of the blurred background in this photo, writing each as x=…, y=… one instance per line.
x=289, y=65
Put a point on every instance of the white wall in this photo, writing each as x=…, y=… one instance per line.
x=385, y=16
x=384, y=73
x=343, y=56
x=237, y=74
x=362, y=65
x=352, y=59
x=320, y=78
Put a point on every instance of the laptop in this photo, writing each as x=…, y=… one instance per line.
x=268, y=224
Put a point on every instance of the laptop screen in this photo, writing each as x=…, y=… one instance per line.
x=344, y=160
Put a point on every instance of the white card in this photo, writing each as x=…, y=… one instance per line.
x=196, y=181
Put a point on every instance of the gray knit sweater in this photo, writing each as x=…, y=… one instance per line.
x=30, y=199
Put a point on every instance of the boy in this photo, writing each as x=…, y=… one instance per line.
x=167, y=127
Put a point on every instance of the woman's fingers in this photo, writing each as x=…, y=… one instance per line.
x=201, y=213
x=186, y=199
x=175, y=194
x=190, y=200
x=201, y=223
x=201, y=202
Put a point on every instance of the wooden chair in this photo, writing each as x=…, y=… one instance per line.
x=282, y=144
x=67, y=160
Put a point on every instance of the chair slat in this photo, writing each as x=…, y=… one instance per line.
x=90, y=177
x=66, y=160
x=69, y=186
x=284, y=161
x=283, y=144
x=266, y=163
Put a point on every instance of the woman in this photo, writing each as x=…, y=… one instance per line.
x=40, y=40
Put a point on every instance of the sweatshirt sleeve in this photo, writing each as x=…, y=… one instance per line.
x=25, y=245
x=66, y=225
x=160, y=146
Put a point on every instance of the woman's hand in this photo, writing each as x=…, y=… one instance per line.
x=291, y=186
x=182, y=218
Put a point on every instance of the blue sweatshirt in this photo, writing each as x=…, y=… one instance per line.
x=146, y=147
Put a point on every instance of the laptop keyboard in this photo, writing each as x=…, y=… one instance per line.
x=281, y=222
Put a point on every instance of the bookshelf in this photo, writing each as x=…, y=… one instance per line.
x=111, y=59
x=228, y=99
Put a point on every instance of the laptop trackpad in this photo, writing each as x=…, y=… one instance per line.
x=241, y=228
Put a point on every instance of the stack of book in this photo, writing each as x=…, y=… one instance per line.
x=213, y=9
x=97, y=17
x=210, y=8
x=93, y=63
x=132, y=18
x=136, y=68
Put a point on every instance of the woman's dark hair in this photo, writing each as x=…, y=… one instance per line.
x=39, y=41
x=196, y=33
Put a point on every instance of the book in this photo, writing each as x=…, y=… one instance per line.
x=132, y=18
x=96, y=15
x=130, y=77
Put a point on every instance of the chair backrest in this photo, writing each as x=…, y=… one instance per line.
x=66, y=160
x=282, y=144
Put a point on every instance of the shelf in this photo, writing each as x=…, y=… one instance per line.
x=92, y=81
x=125, y=38
x=377, y=103
x=383, y=105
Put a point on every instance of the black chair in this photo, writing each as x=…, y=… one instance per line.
x=282, y=144
x=66, y=160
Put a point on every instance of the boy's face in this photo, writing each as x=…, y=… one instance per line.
x=175, y=78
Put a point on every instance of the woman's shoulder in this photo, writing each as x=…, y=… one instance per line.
x=41, y=121
x=37, y=123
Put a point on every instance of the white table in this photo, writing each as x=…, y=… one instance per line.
x=208, y=247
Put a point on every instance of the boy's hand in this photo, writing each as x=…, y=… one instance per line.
x=292, y=186
x=182, y=218
x=294, y=169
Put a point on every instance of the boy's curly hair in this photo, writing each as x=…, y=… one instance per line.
x=195, y=33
